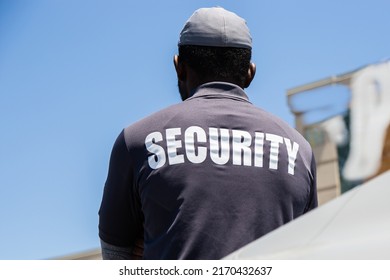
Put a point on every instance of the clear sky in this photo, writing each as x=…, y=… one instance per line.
x=74, y=73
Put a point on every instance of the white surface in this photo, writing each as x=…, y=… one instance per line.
x=354, y=226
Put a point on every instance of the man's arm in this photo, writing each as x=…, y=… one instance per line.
x=120, y=217
x=112, y=252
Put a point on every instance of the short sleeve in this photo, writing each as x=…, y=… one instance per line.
x=313, y=198
x=120, y=218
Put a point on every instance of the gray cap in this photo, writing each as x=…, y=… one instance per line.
x=216, y=27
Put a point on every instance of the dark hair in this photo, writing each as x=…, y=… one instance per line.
x=218, y=63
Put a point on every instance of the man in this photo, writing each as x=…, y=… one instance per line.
x=205, y=177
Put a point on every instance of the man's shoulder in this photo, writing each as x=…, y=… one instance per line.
x=158, y=117
x=275, y=123
x=152, y=122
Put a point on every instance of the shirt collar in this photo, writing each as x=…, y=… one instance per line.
x=219, y=90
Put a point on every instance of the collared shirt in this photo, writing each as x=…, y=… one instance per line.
x=203, y=178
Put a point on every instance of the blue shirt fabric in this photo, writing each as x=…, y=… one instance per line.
x=200, y=179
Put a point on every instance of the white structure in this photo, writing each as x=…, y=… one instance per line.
x=367, y=142
x=370, y=118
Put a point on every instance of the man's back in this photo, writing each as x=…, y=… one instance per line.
x=209, y=175
x=203, y=178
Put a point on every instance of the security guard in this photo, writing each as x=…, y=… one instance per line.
x=202, y=178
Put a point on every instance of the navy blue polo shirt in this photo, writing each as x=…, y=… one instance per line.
x=203, y=178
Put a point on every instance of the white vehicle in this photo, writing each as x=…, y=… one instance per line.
x=355, y=225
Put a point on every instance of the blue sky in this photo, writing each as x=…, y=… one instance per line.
x=74, y=73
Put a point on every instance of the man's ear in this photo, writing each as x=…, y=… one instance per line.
x=250, y=75
x=180, y=69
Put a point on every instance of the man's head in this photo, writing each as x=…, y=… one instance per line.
x=214, y=45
